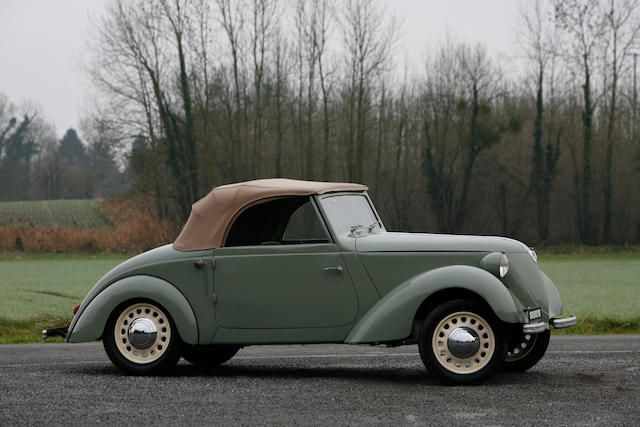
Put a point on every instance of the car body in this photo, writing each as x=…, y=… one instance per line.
x=278, y=261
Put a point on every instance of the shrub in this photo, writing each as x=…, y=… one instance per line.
x=134, y=229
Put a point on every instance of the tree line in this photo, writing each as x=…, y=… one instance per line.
x=543, y=146
x=35, y=165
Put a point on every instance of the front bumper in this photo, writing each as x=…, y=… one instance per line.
x=536, y=328
x=566, y=322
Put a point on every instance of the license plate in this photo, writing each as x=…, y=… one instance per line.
x=535, y=314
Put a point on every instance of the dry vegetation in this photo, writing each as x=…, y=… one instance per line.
x=134, y=228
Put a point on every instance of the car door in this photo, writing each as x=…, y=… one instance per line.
x=296, y=279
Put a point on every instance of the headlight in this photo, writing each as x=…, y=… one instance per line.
x=533, y=254
x=504, y=265
x=496, y=263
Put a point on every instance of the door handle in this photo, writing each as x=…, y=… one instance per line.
x=337, y=269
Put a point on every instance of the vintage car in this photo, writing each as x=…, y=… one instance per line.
x=277, y=261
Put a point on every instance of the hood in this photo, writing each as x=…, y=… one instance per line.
x=427, y=242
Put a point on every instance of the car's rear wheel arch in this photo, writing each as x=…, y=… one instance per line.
x=89, y=324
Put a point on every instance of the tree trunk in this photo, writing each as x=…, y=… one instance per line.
x=538, y=172
x=587, y=128
x=608, y=162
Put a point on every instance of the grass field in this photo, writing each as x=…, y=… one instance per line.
x=82, y=214
x=603, y=291
x=40, y=290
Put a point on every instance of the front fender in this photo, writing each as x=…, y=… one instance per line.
x=553, y=297
x=93, y=319
x=392, y=317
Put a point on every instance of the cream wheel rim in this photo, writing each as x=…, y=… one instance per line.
x=522, y=349
x=142, y=333
x=481, y=342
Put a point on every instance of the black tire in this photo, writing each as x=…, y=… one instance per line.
x=161, y=351
x=209, y=355
x=525, y=350
x=480, y=361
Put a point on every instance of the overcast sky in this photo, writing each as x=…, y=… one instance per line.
x=42, y=43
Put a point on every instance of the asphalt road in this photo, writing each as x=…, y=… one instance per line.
x=586, y=380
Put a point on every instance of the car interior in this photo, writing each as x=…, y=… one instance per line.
x=281, y=221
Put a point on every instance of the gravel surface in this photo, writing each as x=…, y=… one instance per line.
x=586, y=380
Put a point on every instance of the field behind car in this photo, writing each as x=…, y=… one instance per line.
x=54, y=213
x=120, y=224
x=40, y=290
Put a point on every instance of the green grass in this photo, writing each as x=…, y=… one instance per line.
x=29, y=330
x=603, y=291
x=51, y=285
x=40, y=290
x=54, y=213
x=596, y=286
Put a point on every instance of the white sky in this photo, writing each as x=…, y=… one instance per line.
x=43, y=41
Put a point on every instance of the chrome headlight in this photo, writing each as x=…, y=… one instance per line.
x=504, y=265
x=496, y=263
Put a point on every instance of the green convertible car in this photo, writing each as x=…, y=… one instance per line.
x=279, y=261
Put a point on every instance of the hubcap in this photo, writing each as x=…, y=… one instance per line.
x=463, y=342
x=142, y=333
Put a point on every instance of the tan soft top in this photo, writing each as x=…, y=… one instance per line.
x=212, y=216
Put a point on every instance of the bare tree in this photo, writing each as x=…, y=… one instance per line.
x=622, y=28
x=368, y=39
x=264, y=15
x=458, y=125
x=539, y=43
x=255, y=97
x=582, y=21
x=232, y=22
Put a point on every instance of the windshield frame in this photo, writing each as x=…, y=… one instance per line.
x=332, y=228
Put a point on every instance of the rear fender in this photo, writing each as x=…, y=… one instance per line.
x=93, y=319
x=392, y=317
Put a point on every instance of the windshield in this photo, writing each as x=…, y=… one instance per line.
x=349, y=210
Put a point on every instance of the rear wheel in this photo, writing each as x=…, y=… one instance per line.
x=461, y=342
x=141, y=338
x=525, y=350
x=209, y=355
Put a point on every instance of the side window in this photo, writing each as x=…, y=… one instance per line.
x=290, y=220
x=305, y=225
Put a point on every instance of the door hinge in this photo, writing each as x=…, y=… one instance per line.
x=214, y=298
x=213, y=263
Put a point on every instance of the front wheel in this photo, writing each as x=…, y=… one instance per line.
x=140, y=338
x=462, y=343
x=525, y=350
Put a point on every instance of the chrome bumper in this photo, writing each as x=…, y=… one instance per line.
x=536, y=328
x=567, y=322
